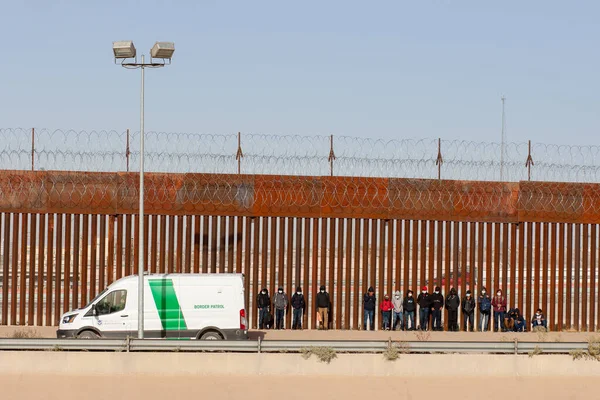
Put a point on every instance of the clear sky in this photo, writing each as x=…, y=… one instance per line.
x=392, y=69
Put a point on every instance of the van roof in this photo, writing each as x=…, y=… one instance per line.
x=215, y=275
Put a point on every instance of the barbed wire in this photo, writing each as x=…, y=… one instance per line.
x=343, y=197
x=114, y=151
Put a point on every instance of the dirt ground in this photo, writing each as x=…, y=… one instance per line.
x=50, y=332
x=292, y=388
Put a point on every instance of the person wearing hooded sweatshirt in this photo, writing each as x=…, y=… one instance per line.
x=369, y=304
x=499, y=305
x=263, y=303
x=519, y=321
x=452, y=305
x=386, y=308
x=437, y=304
x=323, y=304
x=280, y=303
x=397, y=303
x=424, y=302
x=485, y=305
x=468, y=309
x=298, y=307
x=409, y=307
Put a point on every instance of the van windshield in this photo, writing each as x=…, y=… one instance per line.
x=96, y=298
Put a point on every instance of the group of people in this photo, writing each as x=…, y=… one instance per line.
x=399, y=313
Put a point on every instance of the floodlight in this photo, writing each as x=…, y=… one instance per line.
x=124, y=49
x=162, y=50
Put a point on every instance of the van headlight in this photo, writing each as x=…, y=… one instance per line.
x=68, y=319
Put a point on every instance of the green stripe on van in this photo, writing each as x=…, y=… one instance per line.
x=169, y=311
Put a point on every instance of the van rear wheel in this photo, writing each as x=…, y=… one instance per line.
x=211, y=336
x=88, y=335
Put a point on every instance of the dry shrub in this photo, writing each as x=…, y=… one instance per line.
x=323, y=354
x=25, y=334
x=536, y=351
x=422, y=336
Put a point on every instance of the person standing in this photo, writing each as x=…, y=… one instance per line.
x=298, y=308
x=437, y=304
x=485, y=306
x=280, y=303
x=499, y=305
x=409, y=307
x=323, y=304
x=468, y=309
x=452, y=305
x=369, y=303
x=424, y=301
x=386, y=307
x=263, y=303
x=397, y=303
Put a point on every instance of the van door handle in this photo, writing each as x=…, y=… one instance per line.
x=124, y=316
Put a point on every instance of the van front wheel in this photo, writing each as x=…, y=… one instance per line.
x=211, y=336
x=87, y=335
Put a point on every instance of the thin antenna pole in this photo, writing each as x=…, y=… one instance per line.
x=503, y=140
x=33, y=149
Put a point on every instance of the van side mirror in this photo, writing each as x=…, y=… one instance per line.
x=94, y=311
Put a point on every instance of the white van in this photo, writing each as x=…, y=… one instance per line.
x=197, y=306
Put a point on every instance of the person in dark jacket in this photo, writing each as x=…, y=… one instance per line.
x=263, y=303
x=298, y=308
x=424, y=302
x=468, y=309
x=452, y=305
x=369, y=304
x=437, y=305
x=280, y=303
x=323, y=304
x=485, y=306
x=499, y=305
x=409, y=307
x=519, y=321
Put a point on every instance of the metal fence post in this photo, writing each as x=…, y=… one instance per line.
x=239, y=154
x=33, y=149
x=439, y=160
x=127, y=152
x=331, y=157
x=529, y=162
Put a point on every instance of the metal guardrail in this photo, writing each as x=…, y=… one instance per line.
x=289, y=346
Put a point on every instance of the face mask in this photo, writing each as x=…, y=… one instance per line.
x=264, y=292
x=397, y=296
x=483, y=292
x=538, y=314
x=410, y=295
x=322, y=291
x=423, y=292
x=298, y=292
x=437, y=292
x=498, y=294
x=280, y=291
x=468, y=295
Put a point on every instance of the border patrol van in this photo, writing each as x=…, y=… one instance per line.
x=196, y=306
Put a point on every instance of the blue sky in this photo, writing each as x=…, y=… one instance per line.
x=397, y=69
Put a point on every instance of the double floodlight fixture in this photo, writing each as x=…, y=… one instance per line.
x=125, y=49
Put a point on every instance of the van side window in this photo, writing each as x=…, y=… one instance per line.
x=112, y=302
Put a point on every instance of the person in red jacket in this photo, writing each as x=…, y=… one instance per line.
x=386, y=308
x=499, y=306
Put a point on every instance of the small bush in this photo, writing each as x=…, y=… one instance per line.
x=391, y=353
x=539, y=329
x=25, y=334
x=422, y=336
x=536, y=351
x=542, y=334
x=578, y=354
x=323, y=354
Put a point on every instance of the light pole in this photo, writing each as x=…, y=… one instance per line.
x=162, y=51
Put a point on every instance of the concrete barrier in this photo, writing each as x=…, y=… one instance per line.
x=204, y=364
